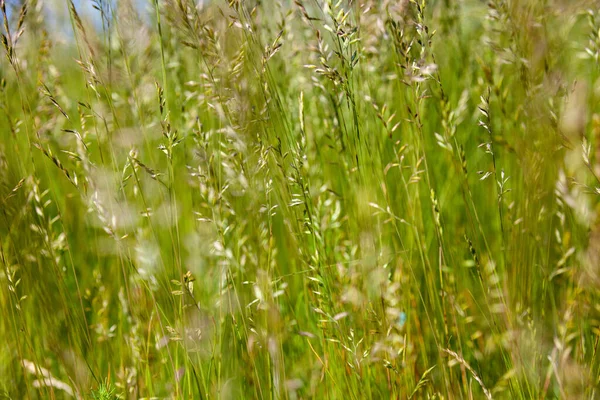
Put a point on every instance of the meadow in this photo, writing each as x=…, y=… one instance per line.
x=308, y=199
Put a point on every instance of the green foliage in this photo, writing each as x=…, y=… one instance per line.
x=353, y=199
x=105, y=391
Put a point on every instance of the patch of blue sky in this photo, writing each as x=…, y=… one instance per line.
x=56, y=13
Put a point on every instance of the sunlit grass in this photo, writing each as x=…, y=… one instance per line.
x=309, y=199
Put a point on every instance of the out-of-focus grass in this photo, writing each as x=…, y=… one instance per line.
x=309, y=199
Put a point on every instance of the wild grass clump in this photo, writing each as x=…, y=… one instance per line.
x=300, y=199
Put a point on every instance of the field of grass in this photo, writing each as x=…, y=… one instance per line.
x=277, y=199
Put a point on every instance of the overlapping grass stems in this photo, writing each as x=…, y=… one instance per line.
x=309, y=199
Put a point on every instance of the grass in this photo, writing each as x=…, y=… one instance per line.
x=300, y=199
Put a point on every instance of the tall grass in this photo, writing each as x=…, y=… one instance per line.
x=357, y=199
